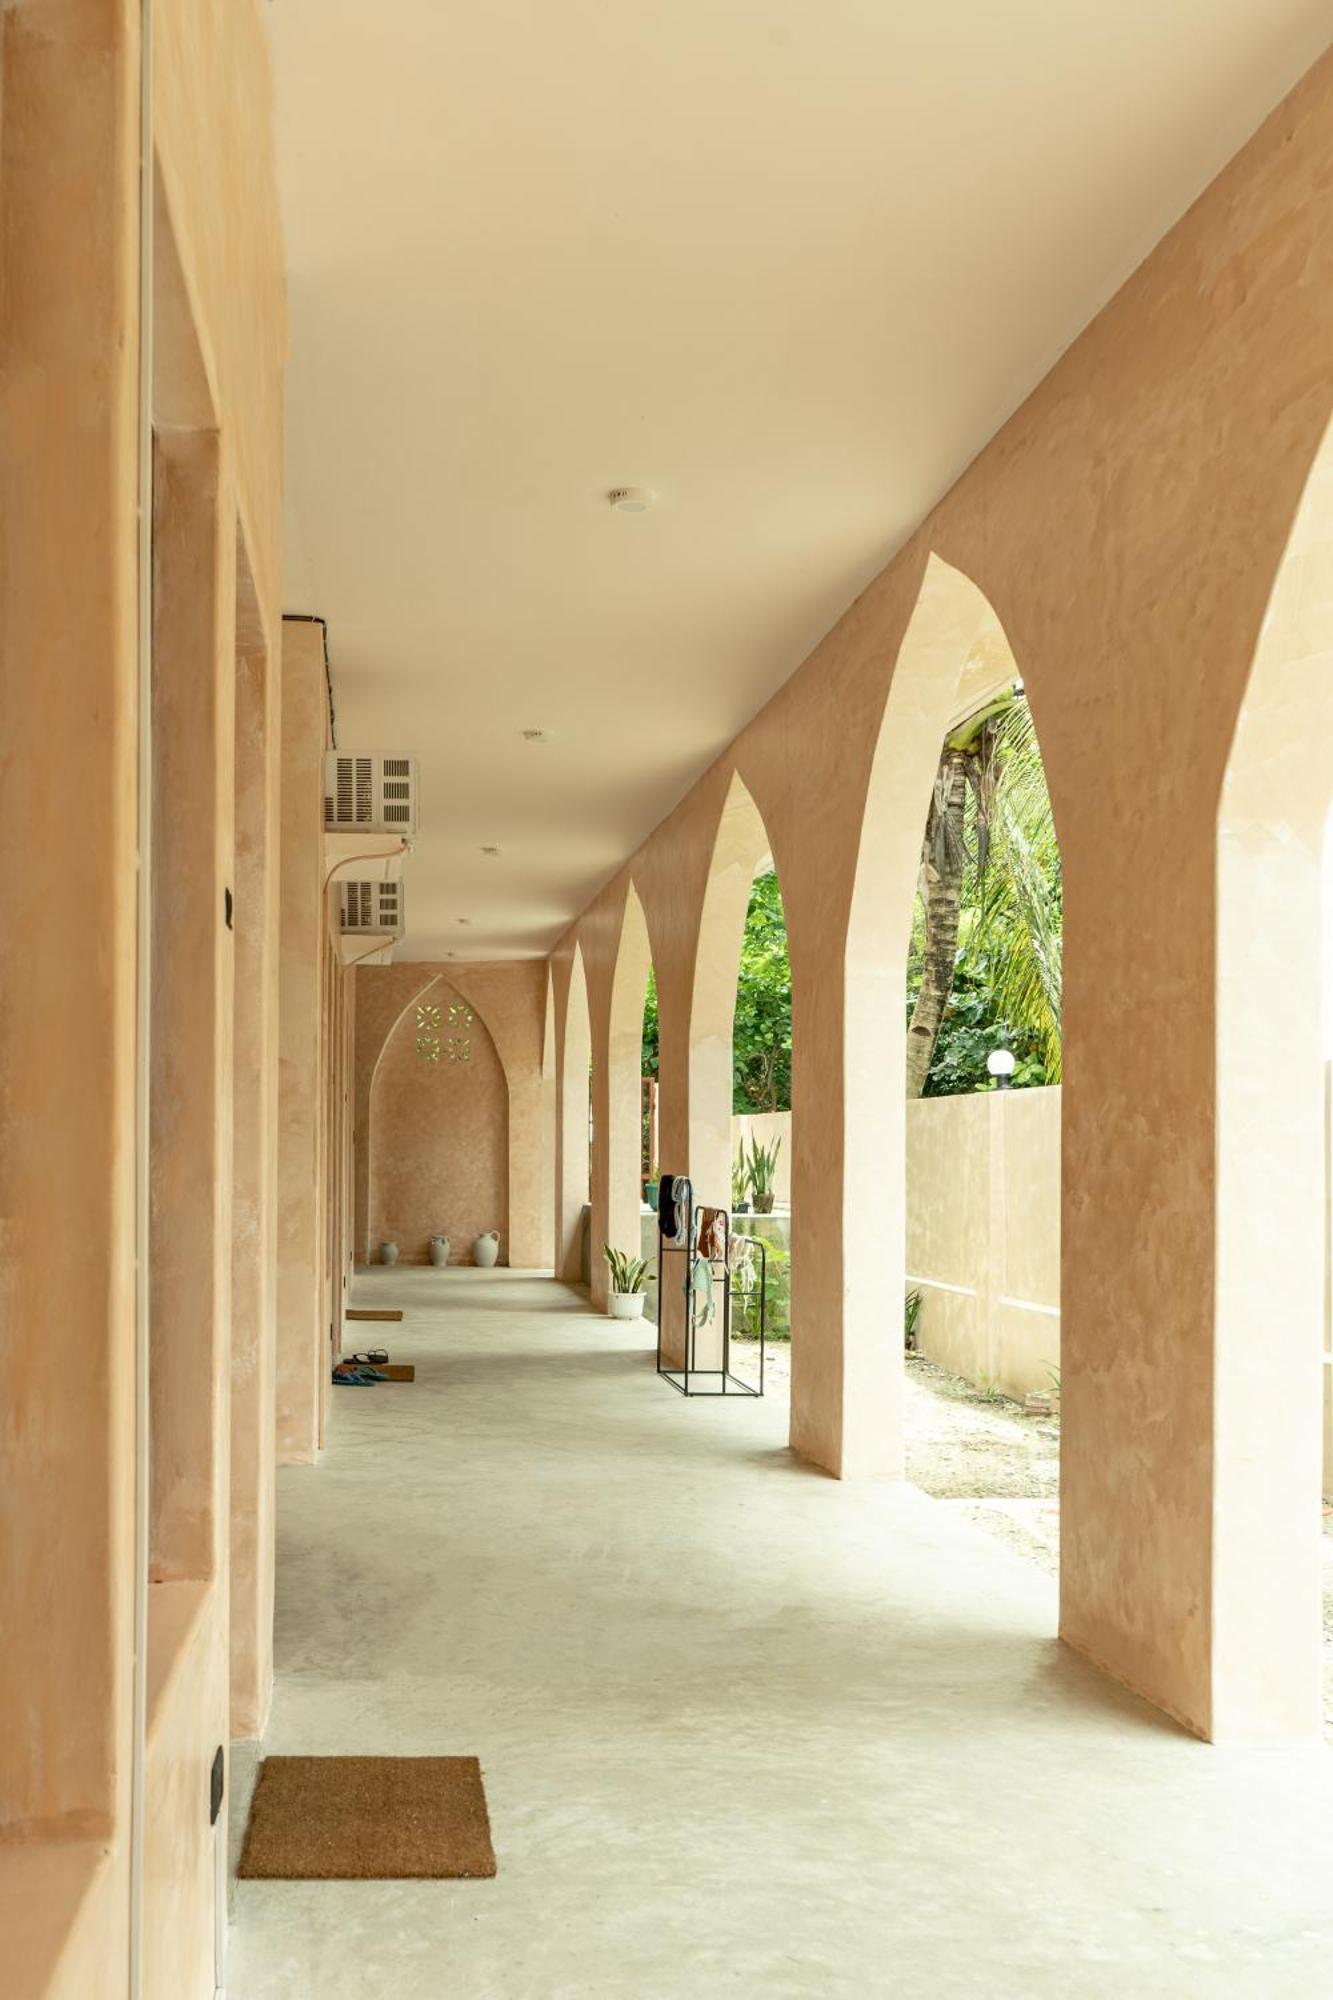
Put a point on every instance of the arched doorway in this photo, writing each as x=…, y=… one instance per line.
x=954, y=659
x=617, y=1202
x=573, y=1124
x=439, y=1119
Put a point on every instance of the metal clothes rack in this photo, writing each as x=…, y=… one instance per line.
x=697, y=1377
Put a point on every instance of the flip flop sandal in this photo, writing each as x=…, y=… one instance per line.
x=374, y=1358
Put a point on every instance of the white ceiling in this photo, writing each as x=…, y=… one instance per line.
x=787, y=262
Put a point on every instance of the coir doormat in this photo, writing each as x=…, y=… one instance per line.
x=350, y=1819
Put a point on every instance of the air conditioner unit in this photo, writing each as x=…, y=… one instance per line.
x=369, y=793
x=370, y=907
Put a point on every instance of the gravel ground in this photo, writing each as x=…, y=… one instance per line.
x=999, y=1467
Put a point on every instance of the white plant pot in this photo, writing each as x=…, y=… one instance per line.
x=486, y=1249
x=626, y=1305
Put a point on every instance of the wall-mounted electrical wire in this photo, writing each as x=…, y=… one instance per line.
x=313, y=618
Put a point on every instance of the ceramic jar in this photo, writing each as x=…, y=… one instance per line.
x=439, y=1251
x=388, y=1253
x=486, y=1249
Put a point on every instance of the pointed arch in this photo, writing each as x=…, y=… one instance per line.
x=439, y=1131
x=741, y=846
x=953, y=657
x=363, y=1136
x=572, y=1152
x=616, y=1192
x=1272, y=1196
x=548, y=1125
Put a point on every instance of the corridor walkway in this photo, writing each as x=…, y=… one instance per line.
x=746, y=1731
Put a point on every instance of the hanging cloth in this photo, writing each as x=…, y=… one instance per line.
x=666, y=1207
x=713, y=1234
x=674, y=1213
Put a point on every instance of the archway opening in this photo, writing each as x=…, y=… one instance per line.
x=618, y=1203
x=439, y=1119
x=931, y=933
x=984, y=1061
x=573, y=1190
x=549, y=1098
x=762, y=1134
x=740, y=1042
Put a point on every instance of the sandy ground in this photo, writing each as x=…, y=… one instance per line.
x=999, y=1467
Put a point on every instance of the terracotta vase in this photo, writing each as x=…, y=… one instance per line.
x=486, y=1249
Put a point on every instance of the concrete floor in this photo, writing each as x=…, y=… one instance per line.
x=746, y=1731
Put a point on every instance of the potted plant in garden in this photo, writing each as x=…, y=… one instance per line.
x=911, y=1318
x=629, y=1283
x=763, y=1169
x=740, y=1185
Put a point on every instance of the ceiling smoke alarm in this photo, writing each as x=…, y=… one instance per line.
x=490, y=850
x=630, y=499
x=536, y=735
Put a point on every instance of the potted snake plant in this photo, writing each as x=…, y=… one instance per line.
x=763, y=1166
x=629, y=1283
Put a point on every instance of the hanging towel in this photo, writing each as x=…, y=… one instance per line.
x=713, y=1234
x=675, y=1201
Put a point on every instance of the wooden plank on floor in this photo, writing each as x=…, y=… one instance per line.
x=376, y=1312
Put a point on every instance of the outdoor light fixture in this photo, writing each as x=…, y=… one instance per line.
x=1000, y=1063
x=630, y=499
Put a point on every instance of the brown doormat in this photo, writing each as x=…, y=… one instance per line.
x=396, y=1371
x=376, y=1312
x=348, y=1819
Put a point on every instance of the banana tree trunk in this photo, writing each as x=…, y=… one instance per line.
x=942, y=861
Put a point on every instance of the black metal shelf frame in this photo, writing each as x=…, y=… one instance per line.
x=692, y=1379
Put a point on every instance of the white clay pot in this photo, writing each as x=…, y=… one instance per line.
x=439, y=1251
x=626, y=1305
x=486, y=1249
x=388, y=1253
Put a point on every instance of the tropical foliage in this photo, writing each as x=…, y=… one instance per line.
x=761, y=1038
x=762, y=1167
x=777, y=1300
x=628, y=1273
x=991, y=908
x=984, y=964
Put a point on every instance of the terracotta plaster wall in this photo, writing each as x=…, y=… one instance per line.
x=983, y=1234
x=509, y=1000
x=1126, y=526
x=213, y=113
x=440, y=1141
x=69, y=331
x=301, y=1255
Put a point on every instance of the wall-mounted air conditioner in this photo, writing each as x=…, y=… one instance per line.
x=369, y=907
x=369, y=793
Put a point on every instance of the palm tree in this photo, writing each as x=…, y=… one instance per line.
x=990, y=886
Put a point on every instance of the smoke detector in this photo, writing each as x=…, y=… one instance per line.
x=536, y=735
x=630, y=499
